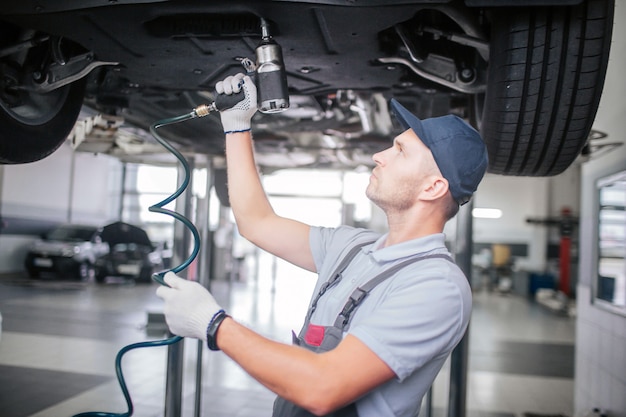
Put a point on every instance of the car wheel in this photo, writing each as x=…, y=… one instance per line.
x=100, y=276
x=34, y=126
x=145, y=276
x=86, y=272
x=34, y=122
x=546, y=73
x=32, y=274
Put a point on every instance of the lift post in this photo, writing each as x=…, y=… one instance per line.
x=175, y=352
x=204, y=273
x=457, y=398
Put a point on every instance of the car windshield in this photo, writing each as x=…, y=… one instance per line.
x=71, y=234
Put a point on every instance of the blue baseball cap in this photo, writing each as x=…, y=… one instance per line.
x=459, y=151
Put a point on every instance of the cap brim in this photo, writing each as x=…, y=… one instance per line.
x=408, y=120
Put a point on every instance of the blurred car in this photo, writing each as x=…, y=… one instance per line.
x=529, y=74
x=67, y=251
x=130, y=253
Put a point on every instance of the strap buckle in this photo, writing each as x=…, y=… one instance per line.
x=355, y=299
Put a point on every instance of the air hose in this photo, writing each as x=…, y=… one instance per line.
x=199, y=111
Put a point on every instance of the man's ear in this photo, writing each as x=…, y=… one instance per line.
x=436, y=188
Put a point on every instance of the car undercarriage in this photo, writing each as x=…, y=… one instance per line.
x=529, y=78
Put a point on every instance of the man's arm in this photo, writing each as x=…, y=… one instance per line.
x=317, y=382
x=256, y=220
x=255, y=217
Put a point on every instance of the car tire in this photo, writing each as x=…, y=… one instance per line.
x=28, y=138
x=32, y=274
x=546, y=73
x=86, y=272
x=100, y=276
x=145, y=276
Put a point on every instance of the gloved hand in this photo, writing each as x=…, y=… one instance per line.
x=189, y=307
x=237, y=118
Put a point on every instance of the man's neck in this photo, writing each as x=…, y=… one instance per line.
x=405, y=227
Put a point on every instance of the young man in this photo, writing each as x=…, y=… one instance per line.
x=387, y=309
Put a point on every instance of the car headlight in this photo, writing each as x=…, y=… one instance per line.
x=154, y=258
x=70, y=251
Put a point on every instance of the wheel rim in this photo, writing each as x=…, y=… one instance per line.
x=31, y=108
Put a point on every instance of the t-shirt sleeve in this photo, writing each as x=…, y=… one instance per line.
x=416, y=320
x=334, y=242
x=319, y=238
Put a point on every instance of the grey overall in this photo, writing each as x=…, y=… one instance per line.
x=324, y=338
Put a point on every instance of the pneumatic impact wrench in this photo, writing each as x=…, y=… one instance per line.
x=268, y=74
x=270, y=78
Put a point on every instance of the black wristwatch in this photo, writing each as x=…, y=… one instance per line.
x=212, y=328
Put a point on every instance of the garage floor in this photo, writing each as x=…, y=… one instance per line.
x=60, y=338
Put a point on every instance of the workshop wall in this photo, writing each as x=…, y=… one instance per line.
x=600, y=379
x=520, y=198
x=66, y=187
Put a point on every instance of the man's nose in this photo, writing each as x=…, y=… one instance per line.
x=378, y=158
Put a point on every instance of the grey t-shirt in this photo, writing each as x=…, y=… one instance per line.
x=412, y=321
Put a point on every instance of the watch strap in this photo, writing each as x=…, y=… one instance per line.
x=213, y=327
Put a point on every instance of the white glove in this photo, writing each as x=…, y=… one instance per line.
x=237, y=118
x=189, y=307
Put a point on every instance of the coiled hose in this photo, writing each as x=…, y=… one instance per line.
x=158, y=277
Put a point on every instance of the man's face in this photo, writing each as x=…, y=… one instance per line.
x=400, y=172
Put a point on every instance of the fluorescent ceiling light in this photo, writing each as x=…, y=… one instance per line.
x=486, y=213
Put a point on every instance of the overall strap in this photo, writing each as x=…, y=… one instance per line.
x=336, y=275
x=361, y=292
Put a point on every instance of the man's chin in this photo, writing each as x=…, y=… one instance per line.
x=369, y=193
